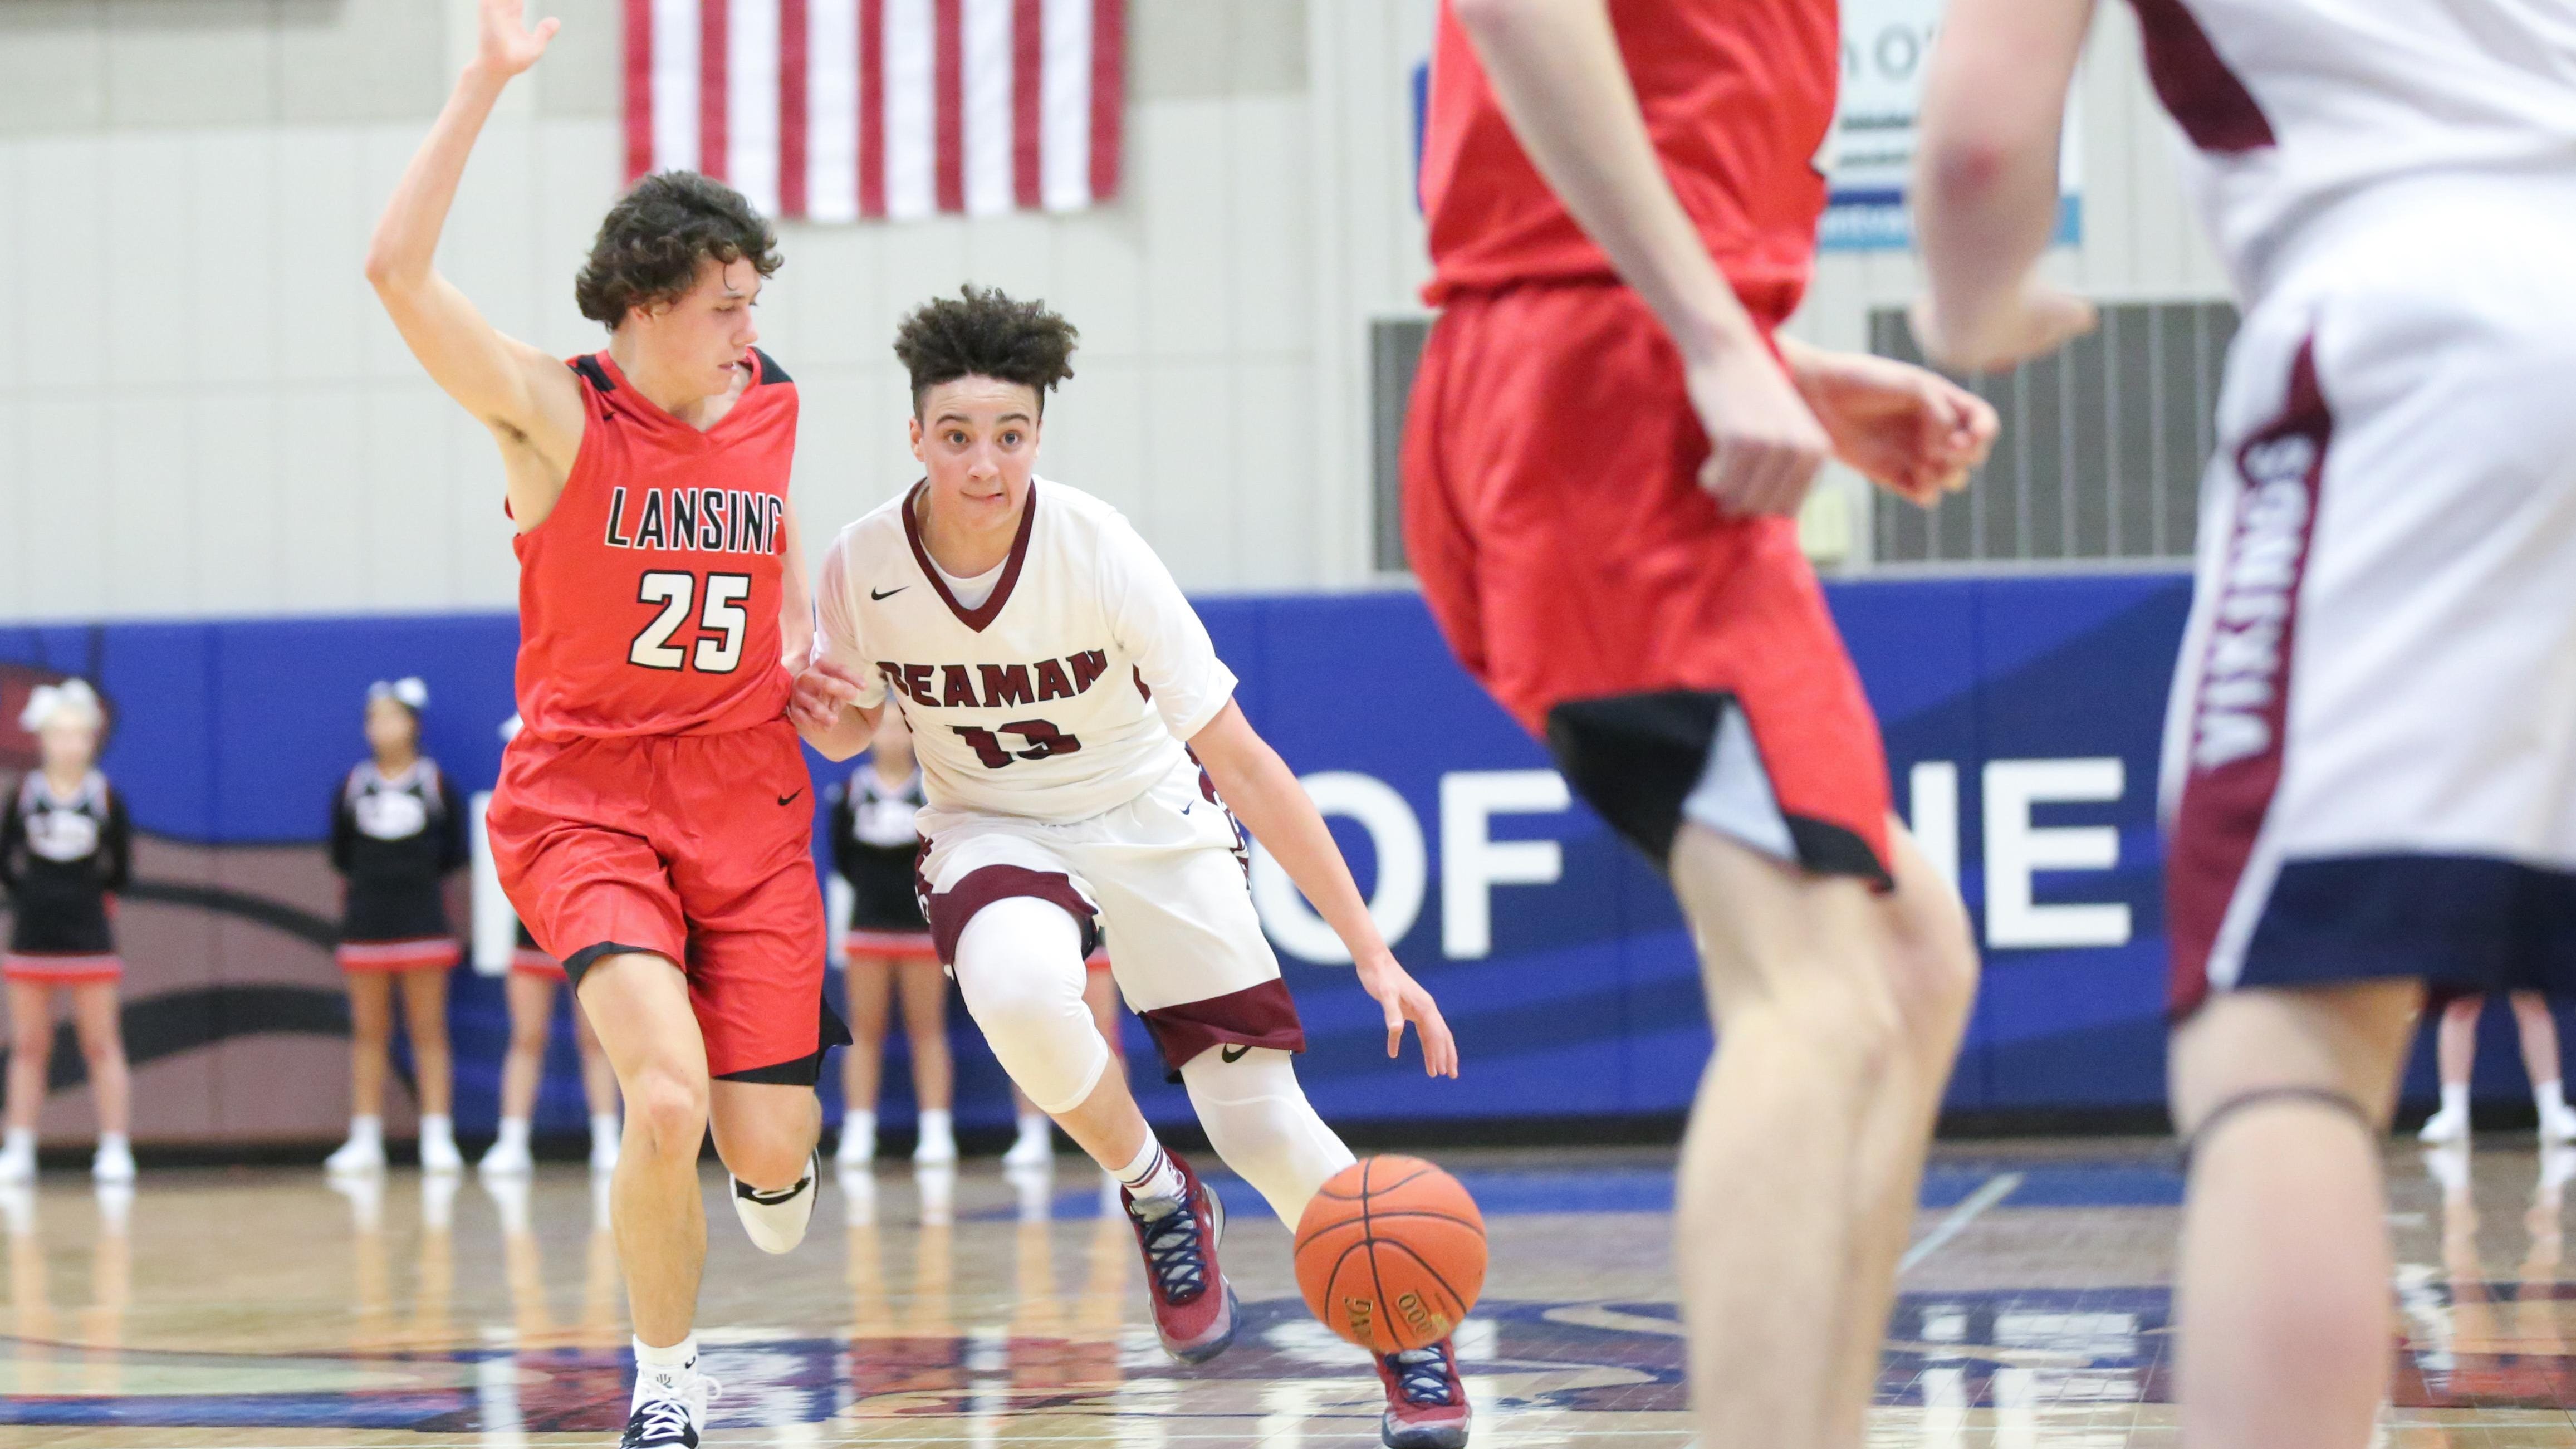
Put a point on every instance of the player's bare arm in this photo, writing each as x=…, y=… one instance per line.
x=795, y=602
x=529, y=400
x=1264, y=794
x=1907, y=429
x=1556, y=70
x=1985, y=189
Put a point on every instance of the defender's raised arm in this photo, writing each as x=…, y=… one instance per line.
x=527, y=398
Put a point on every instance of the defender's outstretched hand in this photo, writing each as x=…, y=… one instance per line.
x=1381, y=976
x=508, y=45
x=823, y=690
x=1908, y=429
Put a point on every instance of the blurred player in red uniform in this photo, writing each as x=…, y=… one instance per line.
x=651, y=824
x=1605, y=455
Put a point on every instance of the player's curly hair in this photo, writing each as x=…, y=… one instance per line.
x=981, y=332
x=652, y=240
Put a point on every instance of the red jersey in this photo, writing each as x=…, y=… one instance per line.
x=1737, y=96
x=649, y=598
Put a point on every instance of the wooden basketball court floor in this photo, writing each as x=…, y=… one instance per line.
x=226, y=1309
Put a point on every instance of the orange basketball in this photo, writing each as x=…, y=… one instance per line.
x=1391, y=1253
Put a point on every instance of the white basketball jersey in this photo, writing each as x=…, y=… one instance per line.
x=2291, y=105
x=1066, y=693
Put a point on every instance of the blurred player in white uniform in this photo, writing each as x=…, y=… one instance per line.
x=2370, y=762
x=1079, y=745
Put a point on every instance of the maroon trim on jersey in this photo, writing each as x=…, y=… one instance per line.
x=984, y=613
x=2224, y=805
x=951, y=909
x=2203, y=96
x=1257, y=1016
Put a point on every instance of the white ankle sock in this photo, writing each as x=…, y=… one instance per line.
x=1150, y=1174
x=936, y=1122
x=858, y=1124
x=20, y=1142
x=2549, y=1097
x=605, y=1129
x=113, y=1142
x=1033, y=1124
x=663, y=1367
x=514, y=1133
x=2455, y=1099
x=436, y=1125
x=370, y=1129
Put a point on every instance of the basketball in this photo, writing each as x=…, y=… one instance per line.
x=1391, y=1253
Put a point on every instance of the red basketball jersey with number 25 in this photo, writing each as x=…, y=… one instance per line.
x=649, y=598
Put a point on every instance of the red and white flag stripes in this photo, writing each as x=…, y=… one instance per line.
x=833, y=110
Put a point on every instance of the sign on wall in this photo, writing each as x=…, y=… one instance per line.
x=1868, y=158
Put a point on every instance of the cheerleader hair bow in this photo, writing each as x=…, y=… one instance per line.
x=407, y=691
x=72, y=697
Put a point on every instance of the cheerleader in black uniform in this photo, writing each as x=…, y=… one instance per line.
x=397, y=830
x=888, y=950
x=65, y=850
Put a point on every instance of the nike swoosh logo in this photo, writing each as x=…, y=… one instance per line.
x=790, y=797
x=888, y=594
x=1234, y=1053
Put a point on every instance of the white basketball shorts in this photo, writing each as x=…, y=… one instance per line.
x=1162, y=876
x=2370, y=756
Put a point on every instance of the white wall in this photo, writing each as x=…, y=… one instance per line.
x=202, y=409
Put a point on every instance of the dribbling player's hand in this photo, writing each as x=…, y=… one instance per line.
x=823, y=689
x=2037, y=321
x=1765, y=447
x=508, y=46
x=1907, y=429
x=1403, y=999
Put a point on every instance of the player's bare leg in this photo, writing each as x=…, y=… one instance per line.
x=765, y=1131
x=639, y=1005
x=598, y=1090
x=2282, y=1305
x=1932, y=962
x=1768, y=1216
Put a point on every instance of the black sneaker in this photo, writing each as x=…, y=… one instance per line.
x=671, y=1407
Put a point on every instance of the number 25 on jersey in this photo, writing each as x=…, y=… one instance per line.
x=721, y=621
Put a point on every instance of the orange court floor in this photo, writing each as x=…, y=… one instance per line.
x=233, y=1308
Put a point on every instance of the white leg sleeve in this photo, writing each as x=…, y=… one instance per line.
x=1019, y=966
x=1258, y=1119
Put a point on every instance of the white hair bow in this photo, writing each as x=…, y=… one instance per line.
x=51, y=701
x=408, y=691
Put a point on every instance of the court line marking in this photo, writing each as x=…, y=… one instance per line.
x=1995, y=1190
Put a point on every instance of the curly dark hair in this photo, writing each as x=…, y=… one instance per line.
x=981, y=332
x=652, y=240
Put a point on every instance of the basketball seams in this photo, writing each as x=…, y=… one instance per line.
x=1407, y=1250
x=1402, y=1205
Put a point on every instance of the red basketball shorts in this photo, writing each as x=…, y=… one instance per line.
x=1680, y=664
x=695, y=848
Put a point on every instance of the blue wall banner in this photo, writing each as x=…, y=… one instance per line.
x=2021, y=717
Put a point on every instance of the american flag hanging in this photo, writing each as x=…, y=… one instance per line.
x=832, y=110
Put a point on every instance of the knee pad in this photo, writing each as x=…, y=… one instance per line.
x=1019, y=966
x=1258, y=1119
x=2275, y=1097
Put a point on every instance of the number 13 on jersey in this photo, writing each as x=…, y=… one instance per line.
x=721, y=621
